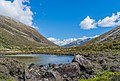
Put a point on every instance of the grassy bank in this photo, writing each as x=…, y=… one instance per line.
x=108, y=76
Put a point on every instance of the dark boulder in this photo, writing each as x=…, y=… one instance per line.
x=115, y=68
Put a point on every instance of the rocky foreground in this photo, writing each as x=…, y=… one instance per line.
x=82, y=67
x=11, y=70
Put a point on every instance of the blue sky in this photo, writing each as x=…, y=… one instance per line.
x=61, y=18
x=65, y=20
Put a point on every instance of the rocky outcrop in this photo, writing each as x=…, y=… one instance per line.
x=84, y=64
x=82, y=67
x=104, y=61
x=79, y=68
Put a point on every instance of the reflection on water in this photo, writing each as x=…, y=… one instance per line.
x=42, y=59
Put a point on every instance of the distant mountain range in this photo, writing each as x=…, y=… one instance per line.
x=77, y=42
x=71, y=42
x=15, y=35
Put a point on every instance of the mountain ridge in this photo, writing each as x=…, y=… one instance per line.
x=112, y=34
x=107, y=42
x=16, y=35
x=77, y=42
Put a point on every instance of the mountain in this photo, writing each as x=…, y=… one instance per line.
x=77, y=42
x=15, y=35
x=112, y=35
x=108, y=42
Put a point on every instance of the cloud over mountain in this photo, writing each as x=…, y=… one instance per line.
x=112, y=21
x=18, y=9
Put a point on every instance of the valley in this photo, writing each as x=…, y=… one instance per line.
x=90, y=61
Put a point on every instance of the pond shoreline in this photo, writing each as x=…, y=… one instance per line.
x=15, y=53
x=42, y=59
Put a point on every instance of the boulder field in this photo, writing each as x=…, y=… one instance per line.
x=82, y=67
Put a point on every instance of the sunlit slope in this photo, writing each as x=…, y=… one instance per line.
x=16, y=35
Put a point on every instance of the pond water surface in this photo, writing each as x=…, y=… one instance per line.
x=42, y=59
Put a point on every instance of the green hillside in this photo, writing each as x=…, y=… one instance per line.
x=16, y=36
x=108, y=42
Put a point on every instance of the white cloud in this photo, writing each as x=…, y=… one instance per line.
x=17, y=10
x=67, y=41
x=112, y=21
x=88, y=23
